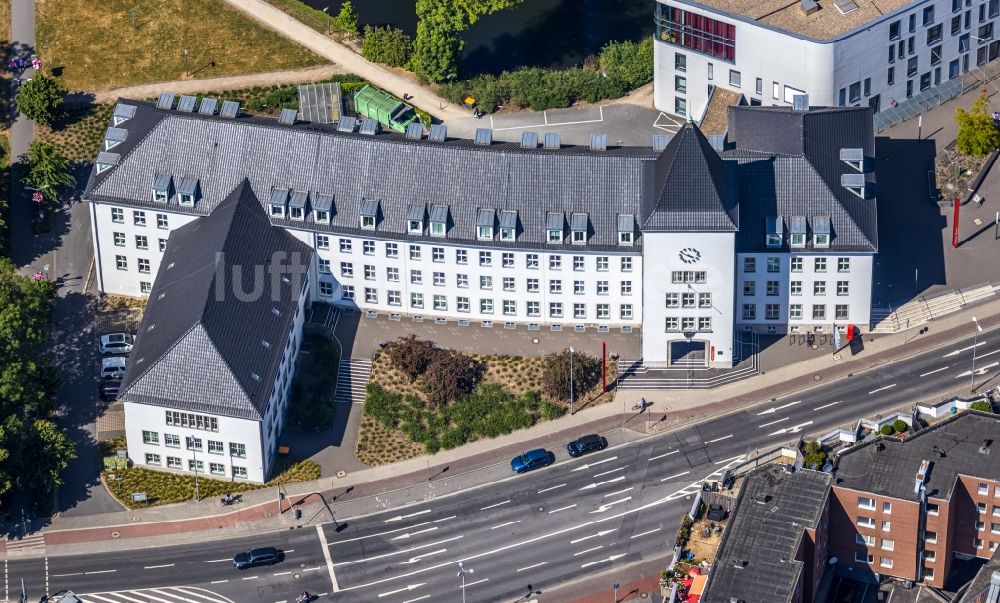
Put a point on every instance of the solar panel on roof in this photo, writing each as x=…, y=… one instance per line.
x=229, y=109
x=551, y=140
x=319, y=103
x=166, y=100
x=186, y=103
x=415, y=130
x=660, y=142
x=108, y=158
x=208, y=106
x=438, y=133
x=287, y=116
x=346, y=124
x=368, y=127
x=598, y=142
x=529, y=140
x=484, y=136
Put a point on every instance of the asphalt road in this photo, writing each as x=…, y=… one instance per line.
x=574, y=519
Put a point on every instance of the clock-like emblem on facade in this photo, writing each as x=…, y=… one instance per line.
x=689, y=255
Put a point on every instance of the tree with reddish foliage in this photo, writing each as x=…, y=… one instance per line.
x=410, y=355
x=449, y=375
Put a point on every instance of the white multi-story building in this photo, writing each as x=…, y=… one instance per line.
x=875, y=53
x=679, y=243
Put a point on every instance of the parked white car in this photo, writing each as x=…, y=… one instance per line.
x=113, y=366
x=117, y=343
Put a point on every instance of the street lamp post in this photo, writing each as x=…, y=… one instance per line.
x=975, y=344
x=185, y=63
x=572, y=396
x=461, y=574
x=327, y=11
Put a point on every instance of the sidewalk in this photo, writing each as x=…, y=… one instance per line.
x=393, y=81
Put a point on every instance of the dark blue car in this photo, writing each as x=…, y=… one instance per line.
x=532, y=459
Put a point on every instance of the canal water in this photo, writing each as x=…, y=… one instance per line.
x=543, y=33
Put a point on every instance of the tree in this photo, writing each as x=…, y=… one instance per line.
x=411, y=355
x=386, y=45
x=632, y=62
x=900, y=426
x=981, y=405
x=815, y=456
x=45, y=452
x=439, y=22
x=41, y=99
x=977, y=135
x=347, y=18
x=449, y=375
x=555, y=375
x=48, y=170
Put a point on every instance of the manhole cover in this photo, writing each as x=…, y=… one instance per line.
x=534, y=340
x=296, y=576
x=341, y=473
x=836, y=356
x=540, y=509
x=643, y=595
x=817, y=377
x=115, y=534
x=136, y=518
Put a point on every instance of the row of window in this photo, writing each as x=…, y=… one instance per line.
x=796, y=264
x=773, y=288
x=194, y=466
x=864, y=557
x=139, y=218
x=121, y=262
x=141, y=241
x=773, y=312
x=869, y=541
x=192, y=420
x=172, y=440
x=676, y=324
x=532, y=261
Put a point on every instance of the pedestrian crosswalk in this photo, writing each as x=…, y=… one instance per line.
x=29, y=546
x=351, y=380
x=171, y=594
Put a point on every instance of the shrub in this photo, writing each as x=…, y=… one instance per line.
x=631, y=62
x=347, y=18
x=280, y=97
x=382, y=405
x=449, y=375
x=410, y=355
x=386, y=45
x=976, y=133
x=982, y=405
x=684, y=532
x=886, y=430
x=552, y=411
x=815, y=456
x=555, y=375
x=41, y=99
x=900, y=426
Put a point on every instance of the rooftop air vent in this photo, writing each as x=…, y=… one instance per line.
x=186, y=104
x=985, y=448
x=529, y=140
x=346, y=124
x=276, y=311
x=166, y=100
x=438, y=133
x=287, y=117
x=484, y=136
x=660, y=142
x=598, y=142
x=938, y=452
x=208, y=106
x=368, y=127
x=415, y=131
x=808, y=7
x=551, y=140
x=229, y=109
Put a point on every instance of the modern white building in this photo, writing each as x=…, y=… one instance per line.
x=678, y=242
x=875, y=53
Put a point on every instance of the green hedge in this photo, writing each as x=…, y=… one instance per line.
x=386, y=45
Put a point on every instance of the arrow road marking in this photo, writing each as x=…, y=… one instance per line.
x=981, y=370
x=590, y=550
x=660, y=456
x=524, y=569
x=408, y=534
x=496, y=505
x=611, y=558
x=402, y=517
x=589, y=465
x=593, y=485
x=683, y=473
x=831, y=404
x=608, y=505
x=419, y=557
x=509, y=523
x=550, y=488
x=400, y=552
x=795, y=429
x=597, y=535
x=772, y=422
x=943, y=368
x=959, y=351
x=562, y=509
x=402, y=590
x=612, y=471
x=777, y=408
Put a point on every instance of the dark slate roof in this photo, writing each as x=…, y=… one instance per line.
x=699, y=191
x=789, y=165
x=986, y=582
x=892, y=470
x=763, y=538
x=390, y=169
x=199, y=347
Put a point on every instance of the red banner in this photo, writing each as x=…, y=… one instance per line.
x=954, y=226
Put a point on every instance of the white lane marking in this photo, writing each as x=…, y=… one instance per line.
x=660, y=456
x=477, y=582
x=251, y=578
x=832, y=404
x=420, y=557
x=417, y=599
x=590, y=550
x=219, y=581
x=608, y=505
x=402, y=590
x=524, y=569
x=719, y=439
x=444, y=519
x=157, y=566
x=597, y=535
x=218, y=560
x=593, y=485
x=589, y=465
x=505, y=524
x=408, y=534
x=772, y=422
x=402, y=517
x=611, y=558
x=777, y=408
x=327, y=558
x=417, y=525
x=282, y=573
x=562, y=509
x=980, y=370
x=496, y=505
x=943, y=368
x=550, y=488
x=400, y=552
x=619, y=492
x=729, y=460
x=611, y=471
x=959, y=351
x=794, y=429
x=675, y=476
x=66, y=575
x=881, y=389
x=100, y=572
x=646, y=533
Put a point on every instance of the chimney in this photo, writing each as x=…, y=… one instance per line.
x=921, y=475
x=800, y=102
x=985, y=448
x=808, y=7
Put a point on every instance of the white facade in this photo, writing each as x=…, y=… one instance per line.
x=855, y=68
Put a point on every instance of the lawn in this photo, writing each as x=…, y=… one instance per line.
x=92, y=45
x=79, y=135
x=312, y=408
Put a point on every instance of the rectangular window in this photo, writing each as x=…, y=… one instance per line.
x=602, y=287
x=772, y=288
x=841, y=312
x=139, y=218
x=928, y=15
x=239, y=472
x=865, y=502
x=981, y=508
x=625, y=311
x=932, y=509
x=773, y=264
x=145, y=287
x=345, y=246
x=704, y=323
x=150, y=437
x=711, y=72
x=673, y=300
x=531, y=261
x=819, y=265
x=117, y=215
x=680, y=62
x=439, y=279
x=507, y=260
x=322, y=242
x=324, y=266
x=735, y=79
x=152, y=459
x=171, y=440
x=819, y=288
x=237, y=450
x=886, y=526
x=885, y=562
x=705, y=300
x=461, y=257
x=555, y=262
x=749, y=311
x=864, y=539
x=695, y=32
x=749, y=288
x=843, y=288
x=462, y=281
x=215, y=447
x=217, y=468
x=161, y=221
x=771, y=311
x=891, y=76
x=347, y=292
x=854, y=92
x=603, y=311
x=391, y=250
x=795, y=287
x=143, y=265
x=415, y=253
x=346, y=269
x=750, y=264
x=555, y=310
x=894, y=30
x=485, y=282
x=393, y=298
x=680, y=84
x=534, y=308
x=174, y=462
x=866, y=522
x=440, y=303
x=888, y=545
x=369, y=272
x=759, y=87
x=437, y=254
x=119, y=239
x=626, y=289
x=983, y=489
x=911, y=67
x=795, y=312
x=417, y=300
x=508, y=283
x=819, y=312
x=461, y=304
x=578, y=288
x=626, y=264
x=578, y=263
x=485, y=258
x=579, y=311
x=368, y=247
x=486, y=306
x=555, y=286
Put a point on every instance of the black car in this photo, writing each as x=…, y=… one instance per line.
x=267, y=555
x=110, y=388
x=588, y=443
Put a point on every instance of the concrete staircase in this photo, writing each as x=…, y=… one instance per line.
x=921, y=310
x=633, y=375
x=351, y=380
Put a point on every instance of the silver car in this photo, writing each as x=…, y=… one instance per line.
x=113, y=367
x=117, y=343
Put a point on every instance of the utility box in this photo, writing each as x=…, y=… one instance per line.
x=384, y=108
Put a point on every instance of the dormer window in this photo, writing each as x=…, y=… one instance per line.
x=854, y=158
x=484, y=224
x=122, y=114
x=854, y=183
x=415, y=218
x=775, y=231
x=161, y=188
x=554, y=227
x=439, y=220
x=322, y=207
x=114, y=137
x=277, y=202
x=297, y=205
x=508, y=225
x=626, y=229
x=187, y=190
x=821, y=231
x=507, y=234
x=797, y=228
x=579, y=224
x=369, y=214
x=105, y=161
x=321, y=216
